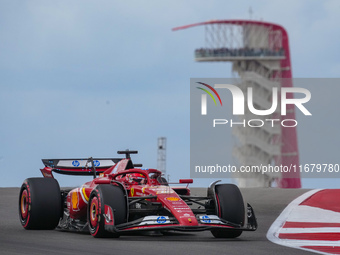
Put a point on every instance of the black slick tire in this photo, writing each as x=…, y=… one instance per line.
x=105, y=194
x=40, y=205
x=230, y=207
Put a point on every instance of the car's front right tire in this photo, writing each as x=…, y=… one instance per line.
x=112, y=196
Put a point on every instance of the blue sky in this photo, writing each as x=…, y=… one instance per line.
x=87, y=78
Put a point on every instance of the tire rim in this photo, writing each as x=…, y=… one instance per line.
x=24, y=204
x=94, y=212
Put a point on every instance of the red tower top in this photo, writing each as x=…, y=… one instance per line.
x=274, y=37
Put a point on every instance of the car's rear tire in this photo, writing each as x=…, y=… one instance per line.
x=110, y=195
x=230, y=207
x=40, y=204
x=162, y=181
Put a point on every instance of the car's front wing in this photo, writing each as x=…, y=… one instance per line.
x=205, y=222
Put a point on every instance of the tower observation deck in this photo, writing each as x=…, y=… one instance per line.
x=259, y=53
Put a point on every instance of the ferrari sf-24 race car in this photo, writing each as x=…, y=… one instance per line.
x=127, y=198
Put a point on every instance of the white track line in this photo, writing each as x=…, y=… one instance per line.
x=290, y=211
x=309, y=230
x=279, y=222
x=305, y=213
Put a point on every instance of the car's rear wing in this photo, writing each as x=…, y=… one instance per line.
x=78, y=166
x=85, y=166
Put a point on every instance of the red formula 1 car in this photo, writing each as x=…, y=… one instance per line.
x=125, y=198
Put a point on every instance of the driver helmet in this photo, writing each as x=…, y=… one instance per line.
x=136, y=178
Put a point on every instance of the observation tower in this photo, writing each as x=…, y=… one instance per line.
x=260, y=56
x=161, y=154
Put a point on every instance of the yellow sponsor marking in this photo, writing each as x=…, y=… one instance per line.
x=74, y=200
x=172, y=198
x=84, y=193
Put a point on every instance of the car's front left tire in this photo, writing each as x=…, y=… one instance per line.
x=230, y=207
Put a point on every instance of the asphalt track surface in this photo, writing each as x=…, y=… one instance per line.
x=267, y=203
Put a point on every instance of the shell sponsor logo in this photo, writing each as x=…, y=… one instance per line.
x=173, y=199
